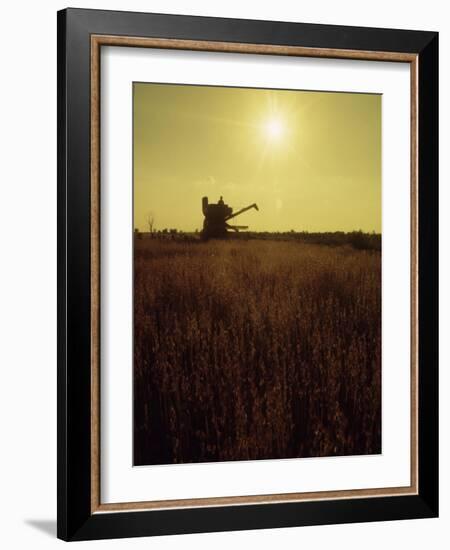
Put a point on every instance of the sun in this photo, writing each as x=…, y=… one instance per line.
x=274, y=129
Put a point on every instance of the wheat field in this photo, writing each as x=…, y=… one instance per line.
x=255, y=349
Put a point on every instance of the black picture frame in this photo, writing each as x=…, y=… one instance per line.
x=75, y=518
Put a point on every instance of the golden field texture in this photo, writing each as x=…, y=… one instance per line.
x=255, y=349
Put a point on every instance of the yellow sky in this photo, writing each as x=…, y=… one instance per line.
x=310, y=160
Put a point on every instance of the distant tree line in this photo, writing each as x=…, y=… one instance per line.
x=359, y=240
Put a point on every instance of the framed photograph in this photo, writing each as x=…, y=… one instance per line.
x=247, y=255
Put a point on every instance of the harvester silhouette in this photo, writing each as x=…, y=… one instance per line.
x=217, y=216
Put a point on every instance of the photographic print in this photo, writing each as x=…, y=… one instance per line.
x=257, y=274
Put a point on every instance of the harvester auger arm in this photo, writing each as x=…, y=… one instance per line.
x=241, y=211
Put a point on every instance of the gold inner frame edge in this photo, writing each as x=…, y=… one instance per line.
x=268, y=49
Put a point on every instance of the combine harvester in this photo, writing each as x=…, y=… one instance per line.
x=217, y=216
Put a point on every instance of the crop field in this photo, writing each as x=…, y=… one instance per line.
x=255, y=349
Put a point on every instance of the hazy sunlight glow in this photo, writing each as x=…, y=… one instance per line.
x=274, y=129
